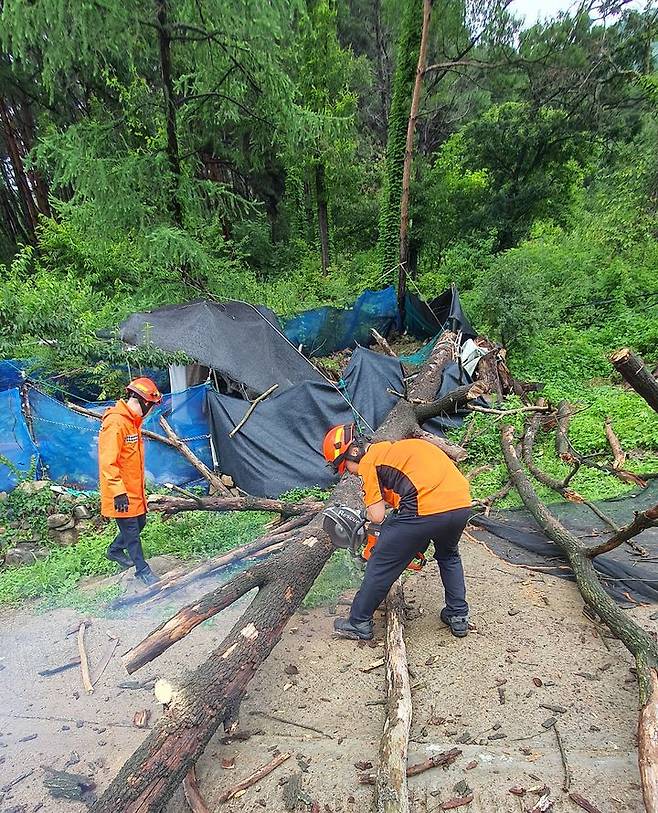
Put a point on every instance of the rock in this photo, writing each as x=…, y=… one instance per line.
x=63, y=785
x=3, y=496
x=60, y=522
x=24, y=553
x=33, y=486
x=65, y=538
x=81, y=512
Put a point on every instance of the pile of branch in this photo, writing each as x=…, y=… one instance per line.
x=211, y=695
x=494, y=374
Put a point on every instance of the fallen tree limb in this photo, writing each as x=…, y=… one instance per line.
x=84, y=662
x=641, y=521
x=391, y=795
x=213, y=479
x=382, y=343
x=562, y=433
x=638, y=642
x=454, y=452
x=168, y=504
x=183, y=577
x=448, y=404
x=252, y=406
x=615, y=445
x=441, y=760
x=213, y=691
x=633, y=369
x=261, y=773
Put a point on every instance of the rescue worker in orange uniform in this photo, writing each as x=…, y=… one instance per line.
x=121, y=474
x=431, y=501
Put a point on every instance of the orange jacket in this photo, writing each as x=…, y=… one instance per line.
x=121, y=461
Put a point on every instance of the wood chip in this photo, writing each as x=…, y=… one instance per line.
x=374, y=665
x=581, y=801
x=517, y=790
x=141, y=718
x=458, y=801
x=472, y=764
x=554, y=708
x=537, y=681
x=291, y=669
x=228, y=763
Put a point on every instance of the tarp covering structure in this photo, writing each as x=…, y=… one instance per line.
x=68, y=441
x=424, y=319
x=279, y=447
x=514, y=536
x=242, y=343
x=18, y=454
x=326, y=330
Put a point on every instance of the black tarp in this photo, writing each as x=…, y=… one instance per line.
x=279, y=447
x=244, y=344
x=515, y=536
x=425, y=319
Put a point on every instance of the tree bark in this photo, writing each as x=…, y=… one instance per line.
x=391, y=795
x=562, y=434
x=615, y=445
x=173, y=156
x=321, y=196
x=408, y=157
x=213, y=692
x=30, y=210
x=450, y=403
x=637, y=374
x=638, y=642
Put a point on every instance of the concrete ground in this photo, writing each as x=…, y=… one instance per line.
x=483, y=695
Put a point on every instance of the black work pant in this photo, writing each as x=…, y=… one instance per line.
x=128, y=540
x=401, y=538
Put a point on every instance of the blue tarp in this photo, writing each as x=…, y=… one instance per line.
x=68, y=441
x=323, y=331
x=16, y=447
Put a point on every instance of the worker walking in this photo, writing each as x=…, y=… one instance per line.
x=121, y=474
x=431, y=501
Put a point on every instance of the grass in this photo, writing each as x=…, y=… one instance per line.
x=194, y=535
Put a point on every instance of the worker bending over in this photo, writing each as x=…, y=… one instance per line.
x=431, y=501
x=121, y=474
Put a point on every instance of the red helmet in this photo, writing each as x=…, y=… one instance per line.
x=336, y=444
x=146, y=389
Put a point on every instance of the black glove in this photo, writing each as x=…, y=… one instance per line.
x=121, y=503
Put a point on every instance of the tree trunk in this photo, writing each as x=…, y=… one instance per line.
x=321, y=196
x=562, y=433
x=30, y=210
x=637, y=374
x=164, y=43
x=382, y=62
x=213, y=692
x=638, y=642
x=391, y=795
x=166, y=504
x=408, y=156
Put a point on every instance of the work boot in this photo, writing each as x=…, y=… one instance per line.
x=121, y=559
x=147, y=576
x=458, y=623
x=357, y=631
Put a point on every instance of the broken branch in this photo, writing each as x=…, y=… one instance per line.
x=193, y=795
x=252, y=406
x=214, y=480
x=261, y=773
x=382, y=343
x=84, y=663
x=615, y=445
x=633, y=369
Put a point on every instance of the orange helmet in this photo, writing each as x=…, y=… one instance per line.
x=336, y=444
x=146, y=389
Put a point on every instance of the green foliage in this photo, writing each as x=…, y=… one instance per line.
x=193, y=535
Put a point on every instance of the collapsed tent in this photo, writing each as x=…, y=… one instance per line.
x=515, y=537
x=242, y=343
x=279, y=446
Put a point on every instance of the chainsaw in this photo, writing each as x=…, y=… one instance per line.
x=349, y=529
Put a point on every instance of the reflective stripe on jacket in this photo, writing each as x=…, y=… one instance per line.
x=121, y=461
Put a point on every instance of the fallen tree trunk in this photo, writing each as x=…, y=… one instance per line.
x=168, y=504
x=212, y=693
x=391, y=795
x=637, y=374
x=562, y=433
x=638, y=642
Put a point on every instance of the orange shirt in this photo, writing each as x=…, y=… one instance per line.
x=413, y=476
x=121, y=461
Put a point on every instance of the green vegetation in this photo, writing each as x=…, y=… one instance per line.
x=189, y=536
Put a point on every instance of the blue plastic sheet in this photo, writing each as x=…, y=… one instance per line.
x=326, y=330
x=16, y=446
x=68, y=441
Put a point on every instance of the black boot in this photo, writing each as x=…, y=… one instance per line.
x=147, y=577
x=120, y=558
x=458, y=623
x=359, y=631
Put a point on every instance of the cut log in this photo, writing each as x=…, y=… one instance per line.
x=450, y=403
x=638, y=642
x=487, y=369
x=183, y=577
x=391, y=795
x=214, y=690
x=168, y=504
x=637, y=374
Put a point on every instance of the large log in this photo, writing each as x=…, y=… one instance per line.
x=212, y=693
x=637, y=374
x=168, y=504
x=391, y=795
x=638, y=642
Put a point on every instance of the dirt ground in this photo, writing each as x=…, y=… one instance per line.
x=482, y=695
